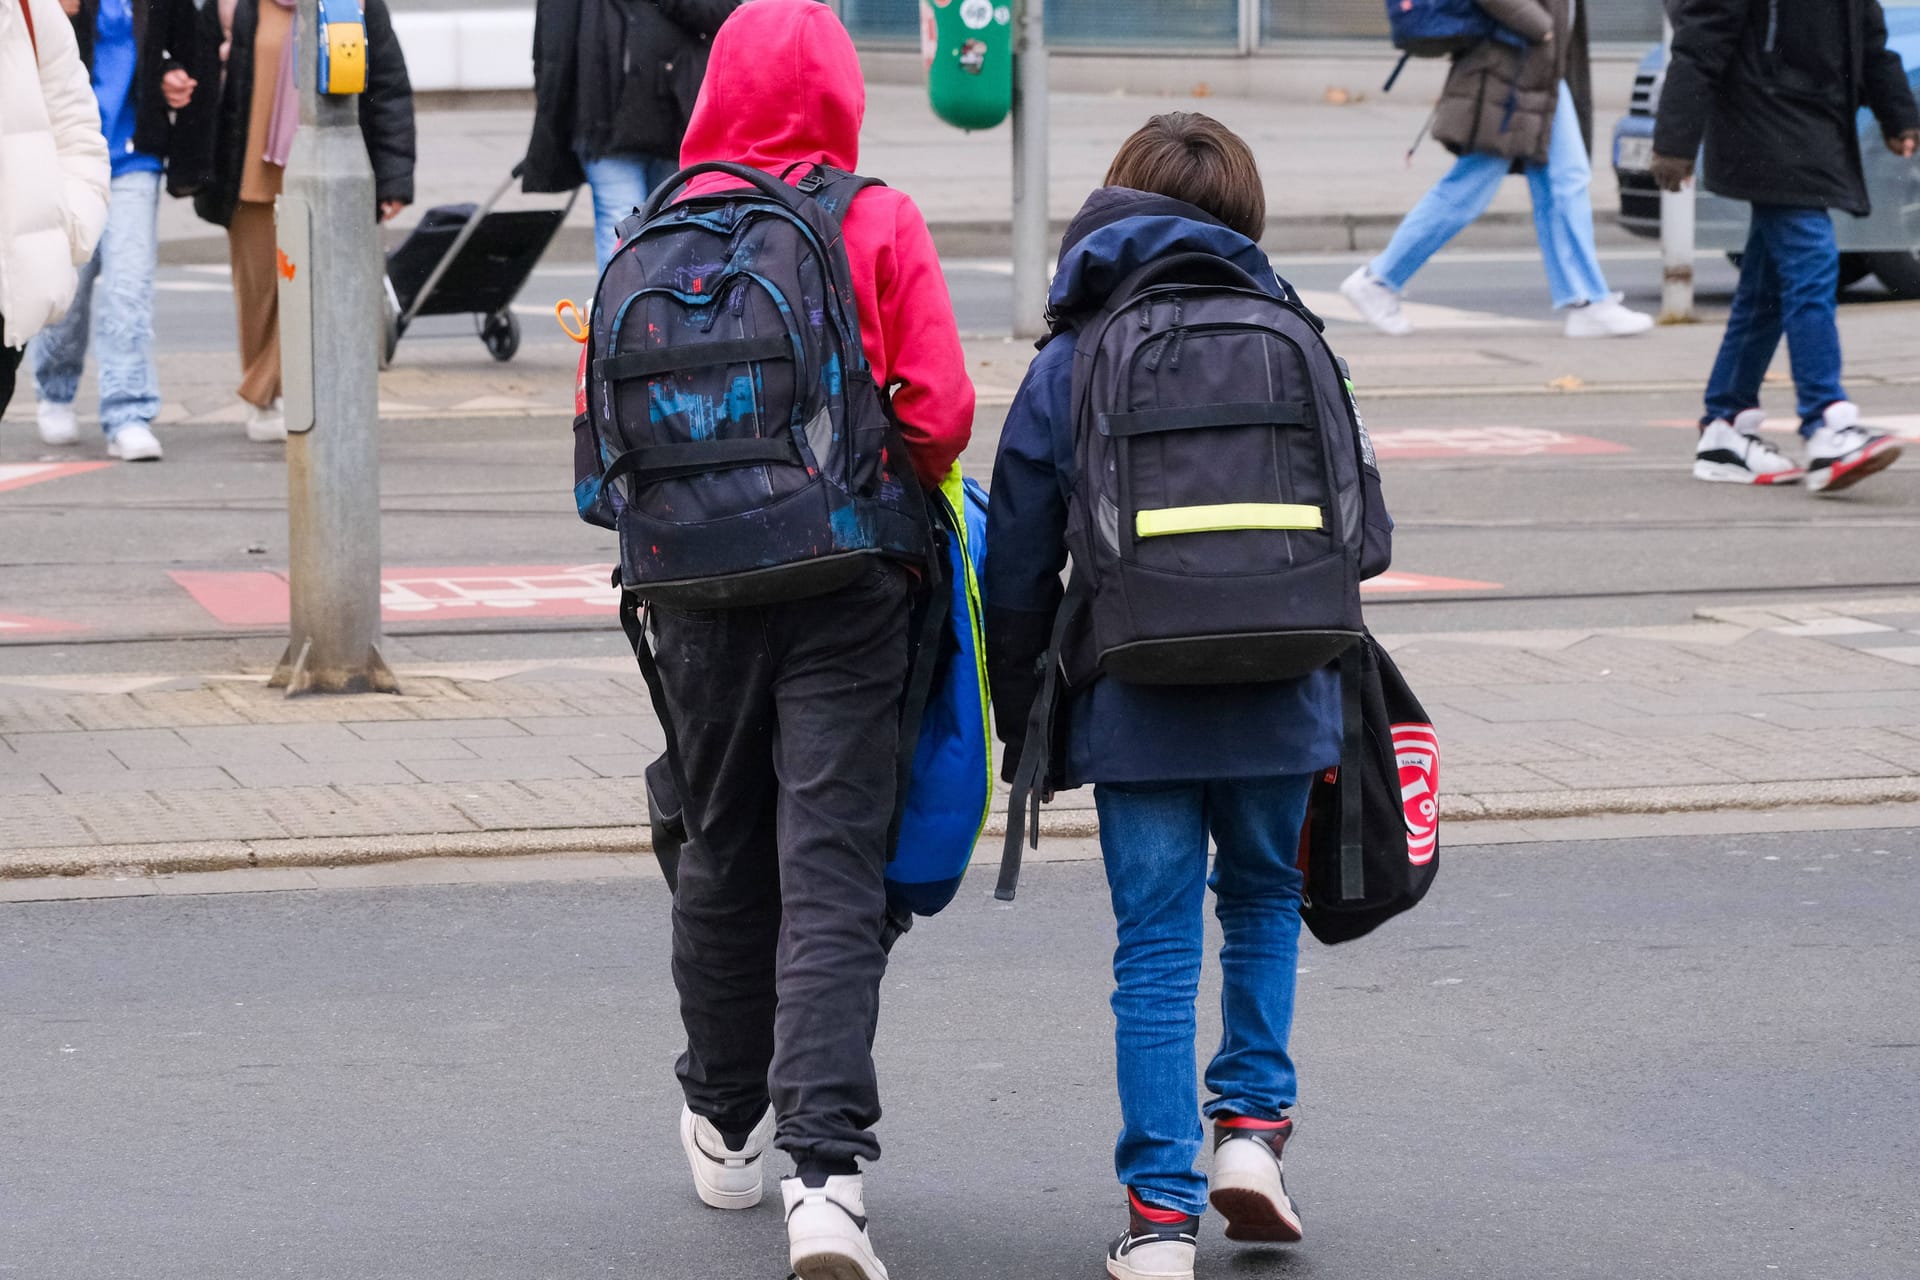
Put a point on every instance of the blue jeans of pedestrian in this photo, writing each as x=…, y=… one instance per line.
x=1789, y=282
x=1562, y=213
x=1154, y=840
x=122, y=269
x=621, y=184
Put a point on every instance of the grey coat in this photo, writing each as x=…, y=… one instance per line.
x=1501, y=99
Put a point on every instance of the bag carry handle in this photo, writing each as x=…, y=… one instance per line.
x=765, y=183
x=1353, y=665
x=1186, y=268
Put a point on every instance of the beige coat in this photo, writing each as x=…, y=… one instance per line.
x=1501, y=99
x=53, y=168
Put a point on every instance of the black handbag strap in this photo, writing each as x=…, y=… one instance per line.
x=634, y=624
x=1353, y=867
x=1030, y=775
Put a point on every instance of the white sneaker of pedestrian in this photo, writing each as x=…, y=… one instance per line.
x=134, y=443
x=264, y=426
x=1377, y=302
x=723, y=1177
x=1734, y=453
x=827, y=1231
x=1606, y=319
x=1842, y=453
x=57, y=423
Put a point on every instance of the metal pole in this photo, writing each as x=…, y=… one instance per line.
x=1031, y=232
x=1676, y=242
x=330, y=282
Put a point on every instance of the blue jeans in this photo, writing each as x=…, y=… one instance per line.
x=1789, y=279
x=1154, y=840
x=1562, y=213
x=620, y=185
x=123, y=267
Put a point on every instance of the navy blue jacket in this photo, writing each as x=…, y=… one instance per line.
x=1115, y=732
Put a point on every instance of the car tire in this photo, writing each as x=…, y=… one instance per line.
x=1854, y=267
x=1900, y=272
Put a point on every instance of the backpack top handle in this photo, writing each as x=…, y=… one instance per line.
x=767, y=184
x=1187, y=268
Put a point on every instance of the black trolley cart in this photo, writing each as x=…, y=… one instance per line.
x=465, y=259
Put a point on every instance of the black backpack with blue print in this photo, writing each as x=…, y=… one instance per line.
x=732, y=431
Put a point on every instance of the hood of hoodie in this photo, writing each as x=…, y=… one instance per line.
x=1120, y=230
x=783, y=85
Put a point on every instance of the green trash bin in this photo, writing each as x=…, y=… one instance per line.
x=968, y=48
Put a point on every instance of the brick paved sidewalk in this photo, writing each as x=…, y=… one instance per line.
x=1752, y=709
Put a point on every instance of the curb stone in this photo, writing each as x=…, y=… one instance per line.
x=1069, y=824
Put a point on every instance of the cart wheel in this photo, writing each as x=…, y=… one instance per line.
x=390, y=330
x=501, y=333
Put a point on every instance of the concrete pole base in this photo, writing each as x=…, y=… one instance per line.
x=298, y=675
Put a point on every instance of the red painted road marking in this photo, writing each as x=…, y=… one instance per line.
x=481, y=593
x=17, y=475
x=465, y=593
x=1393, y=583
x=18, y=624
x=1487, y=442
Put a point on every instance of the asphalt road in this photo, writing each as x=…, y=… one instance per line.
x=1684, y=1058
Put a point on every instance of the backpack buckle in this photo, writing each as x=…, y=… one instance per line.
x=811, y=183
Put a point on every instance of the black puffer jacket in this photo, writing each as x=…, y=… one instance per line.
x=1501, y=99
x=1775, y=87
x=614, y=77
x=386, y=110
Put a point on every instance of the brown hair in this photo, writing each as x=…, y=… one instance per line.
x=1195, y=158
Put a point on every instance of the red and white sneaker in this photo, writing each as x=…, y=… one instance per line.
x=1159, y=1244
x=1248, y=1188
x=1842, y=453
x=1734, y=453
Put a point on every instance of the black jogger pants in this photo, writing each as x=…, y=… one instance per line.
x=789, y=724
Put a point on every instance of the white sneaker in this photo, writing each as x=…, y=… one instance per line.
x=1734, y=453
x=264, y=426
x=57, y=423
x=724, y=1178
x=1842, y=453
x=1377, y=302
x=1160, y=1244
x=134, y=443
x=1248, y=1186
x=1606, y=319
x=827, y=1231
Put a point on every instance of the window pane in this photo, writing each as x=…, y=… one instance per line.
x=1608, y=20
x=1114, y=23
x=1078, y=23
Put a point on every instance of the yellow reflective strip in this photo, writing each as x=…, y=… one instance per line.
x=1228, y=517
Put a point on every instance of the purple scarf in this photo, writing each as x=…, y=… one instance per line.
x=286, y=99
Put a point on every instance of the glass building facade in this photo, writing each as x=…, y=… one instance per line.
x=1218, y=26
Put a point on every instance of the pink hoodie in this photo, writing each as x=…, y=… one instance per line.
x=784, y=85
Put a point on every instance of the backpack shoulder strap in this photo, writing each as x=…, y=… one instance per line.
x=834, y=189
x=33, y=40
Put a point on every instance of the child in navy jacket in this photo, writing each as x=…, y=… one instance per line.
x=1171, y=766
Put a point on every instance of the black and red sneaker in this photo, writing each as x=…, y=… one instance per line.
x=1248, y=1187
x=1159, y=1243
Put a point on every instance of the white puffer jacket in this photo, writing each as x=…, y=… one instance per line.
x=53, y=168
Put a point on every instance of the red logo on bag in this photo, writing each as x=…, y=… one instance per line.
x=580, y=386
x=1418, y=752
